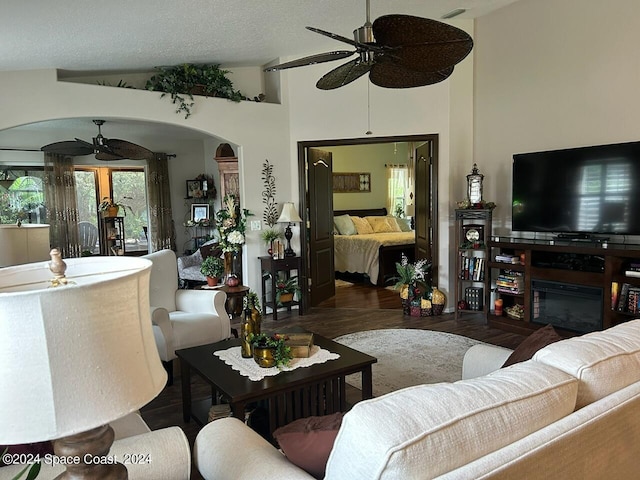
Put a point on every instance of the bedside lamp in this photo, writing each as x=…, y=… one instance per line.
x=410, y=211
x=289, y=215
x=76, y=356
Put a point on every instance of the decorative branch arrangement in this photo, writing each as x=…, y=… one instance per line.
x=270, y=215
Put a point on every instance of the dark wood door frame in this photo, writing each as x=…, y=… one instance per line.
x=303, y=180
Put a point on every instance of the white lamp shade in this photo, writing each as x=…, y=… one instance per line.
x=24, y=244
x=289, y=214
x=410, y=210
x=77, y=356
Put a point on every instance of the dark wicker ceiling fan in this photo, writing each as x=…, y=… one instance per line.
x=104, y=148
x=398, y=51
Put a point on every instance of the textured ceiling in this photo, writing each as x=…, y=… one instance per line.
x=89, y=35
x=137, y=35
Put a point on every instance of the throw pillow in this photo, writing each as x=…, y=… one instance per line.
x=307, y=442
x=383, y=224
x=404, y=224
x=345, y=225
x=534, y=342
x=362, y=226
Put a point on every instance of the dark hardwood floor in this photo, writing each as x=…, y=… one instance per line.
x=354, y=308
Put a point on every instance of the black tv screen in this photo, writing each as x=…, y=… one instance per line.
x=587, y=190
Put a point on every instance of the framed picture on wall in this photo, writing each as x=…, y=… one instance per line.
x=194, y=189
x=199, y=211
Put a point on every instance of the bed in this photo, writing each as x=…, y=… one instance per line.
x=372, y=254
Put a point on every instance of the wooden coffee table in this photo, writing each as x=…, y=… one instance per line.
x=303, y=392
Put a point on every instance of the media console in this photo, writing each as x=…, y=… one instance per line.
x=575, y=286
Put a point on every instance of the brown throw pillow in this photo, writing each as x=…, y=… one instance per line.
x=534, y=342
x=307, y=442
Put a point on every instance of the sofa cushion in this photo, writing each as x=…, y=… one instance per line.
x=540, y=338
x=307, y=442
x=603, y=362
x=428, y=430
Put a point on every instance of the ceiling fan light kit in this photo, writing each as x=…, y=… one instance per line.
x=105, y=149
x=398, y=51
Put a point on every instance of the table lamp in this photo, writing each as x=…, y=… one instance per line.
x=289, y=215
x=77, y=352
x=410, y=211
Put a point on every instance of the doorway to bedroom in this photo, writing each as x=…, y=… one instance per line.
x=351, y=177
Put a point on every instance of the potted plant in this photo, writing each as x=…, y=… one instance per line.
x=213, y=268
x=110, y=208
x=411, y=279
x=270, y=351
x=269, y=236
x=286, y=289
x=181, y=82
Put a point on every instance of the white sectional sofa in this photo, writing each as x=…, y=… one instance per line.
x=572, y=412
x=167, y=449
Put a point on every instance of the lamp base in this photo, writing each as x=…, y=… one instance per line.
x=90, y=449
x=288, y=234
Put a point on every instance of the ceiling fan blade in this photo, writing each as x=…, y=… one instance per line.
x=389, y=75
x=108, y=156
x=335, y=36
x=69, y=147
x=421, y=43
x=86, y=144
x=343, y=74
x=311, y=60
x=125, y=149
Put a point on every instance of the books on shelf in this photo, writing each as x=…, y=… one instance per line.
x=632, y=273
x=472, y=268
x=506, y=258
x=625, y=298
x=511, y=282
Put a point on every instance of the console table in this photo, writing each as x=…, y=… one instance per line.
x=272, y=266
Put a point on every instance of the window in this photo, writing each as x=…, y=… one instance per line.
x=22, y=196
x=397, y=185
x=123, y=185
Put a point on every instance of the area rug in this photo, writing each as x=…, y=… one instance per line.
x=343, y=283
x=408, y=357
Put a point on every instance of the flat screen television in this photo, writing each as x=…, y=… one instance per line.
x=585, y=191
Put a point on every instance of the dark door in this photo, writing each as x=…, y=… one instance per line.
x=426, y=204
x=320, y=168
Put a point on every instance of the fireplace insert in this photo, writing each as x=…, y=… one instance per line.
x=578, y=308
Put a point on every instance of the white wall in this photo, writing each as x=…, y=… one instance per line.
x=366, y=159
x=552, y=75
x=260, y=131
x=342, y=113
x=260, y=128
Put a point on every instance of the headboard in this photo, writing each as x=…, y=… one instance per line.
x=371, y=212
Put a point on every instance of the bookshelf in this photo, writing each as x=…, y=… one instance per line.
x=472, y=233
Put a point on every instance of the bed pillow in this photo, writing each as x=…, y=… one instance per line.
x=362, y=226
x=404, y=224
x=382, y=225
x=345, y=225
x=393, y=221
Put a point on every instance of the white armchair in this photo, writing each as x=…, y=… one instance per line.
x=182, y=318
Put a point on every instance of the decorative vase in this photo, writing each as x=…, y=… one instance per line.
x=438, y=300
x=232, y=265
x=256, y=318
x=232, y=281
x=212, y=281
x=246, y=331
x=264, y=356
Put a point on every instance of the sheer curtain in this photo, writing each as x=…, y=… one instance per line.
x=162, y=233
x=396, y=186
x=61, y=204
